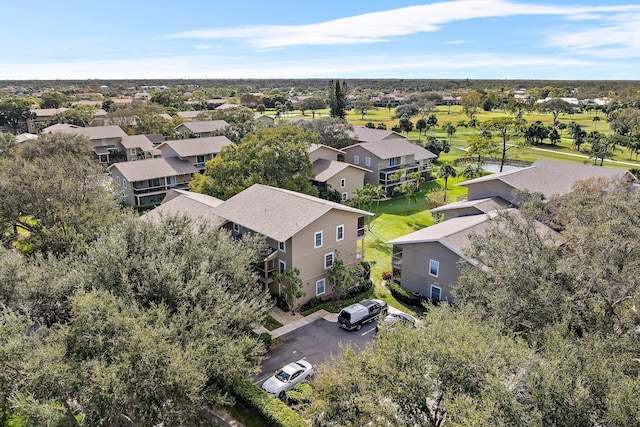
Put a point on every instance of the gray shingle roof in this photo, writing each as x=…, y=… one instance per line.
x=205, y=126
x=95, y=132
x=197, y=146
x=153, y=168
x=484, y=205
x=324, y=169
x=195, y=205
x=137, y=141
x=313, y=147
x=390, y=148
x=275, y=212
x=550, y=177
x=365, y=134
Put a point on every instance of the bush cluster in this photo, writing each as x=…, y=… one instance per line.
x=404, y=296
x=300, y=394
x=265, y=339
x=282, y=304
x=274, y=412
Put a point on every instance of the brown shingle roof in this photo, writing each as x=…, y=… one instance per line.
x=365, y=134
x=195, y=205
x=205, y=126
x=275, y=212
x=95, y=132
x=153, y=168
x=483, y=205
x=324, y=169
x=137, y=141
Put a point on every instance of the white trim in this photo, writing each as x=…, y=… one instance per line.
x=324, y=287
x=343, y=182
x=367, y=161
x=236, y=227
x=324, y=260
x=345, y=197
x=282, y=266
x=118, y=180
x=356, y=159
x=125, y=183
x=339, y=227
x=437, y=267
x=315, y=239
x=435, y=286
x=282, y=247
x=133, y=151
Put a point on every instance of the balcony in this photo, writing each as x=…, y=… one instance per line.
x=396, y=260
x=160, y=188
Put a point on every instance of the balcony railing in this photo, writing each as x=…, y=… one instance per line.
x=159, y=188
x=396, y=259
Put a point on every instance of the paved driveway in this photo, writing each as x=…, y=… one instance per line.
x=315, y=342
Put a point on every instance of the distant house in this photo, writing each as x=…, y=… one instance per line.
x=105, y=140
x=426, y=261
x=469, y=207
x=268, y=120
x=25, y=137
x=189, y=115
x=202, y=129
x=196, y=151
x=138, y=147
x=365, y=134
x=148, y=181
x=389, y=158
x=321, y=151
x=42, y=116
x=302, y=231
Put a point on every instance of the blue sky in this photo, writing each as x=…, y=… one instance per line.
x=477, y=39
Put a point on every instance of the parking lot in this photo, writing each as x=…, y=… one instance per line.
x=315, y=342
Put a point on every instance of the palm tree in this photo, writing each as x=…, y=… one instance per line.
x=471, y=171
x=445, y=171
x=450, y=129
x=595, y=119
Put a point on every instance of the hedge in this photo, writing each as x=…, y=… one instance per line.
x=267, y=406
x=404, y=296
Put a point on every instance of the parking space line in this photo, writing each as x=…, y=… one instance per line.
x=369, y=331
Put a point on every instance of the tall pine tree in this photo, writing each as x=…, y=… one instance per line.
x=338, y=98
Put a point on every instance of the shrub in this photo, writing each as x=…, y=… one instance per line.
x=386, y=275
x=404, y=296
x=300, y=394
x=265, y=339
x=358, y=289
x=364, y=272
x=282, y=304
x=274, y=412
x=313, y=302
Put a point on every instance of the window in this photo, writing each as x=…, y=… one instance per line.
x=283, y=266
x=345, y=197
x=171, y=180
x=317, y=239
x=339, y=233
x=343, y=183
x=199, y=159
x=155, y=182
x=436, y=293
x=434, y=268
x=133, y=151
x=320, y=288
x=394, y=161
x=282, y=246
x=236, y=228
x=328, y=260
x=118, y=180
x=356, y=159
x=125, y=183
x=367, y=161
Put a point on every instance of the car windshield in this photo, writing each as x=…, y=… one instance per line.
x=282, y=376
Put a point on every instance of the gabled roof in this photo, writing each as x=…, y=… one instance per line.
x=204, y=126
x=277, y=213
x=313, y=147
x=454, y=233
x=365, y=134
x=25, y=137
x=324, y=169
x=153, y=168
x=197, y=146
x=48, y=112
x=483, y=205
x=394, y=148
x=94, y=132
x=59, y=126
x=550, y=177
x=193, y=205
x=137, y=141
x=188, y=114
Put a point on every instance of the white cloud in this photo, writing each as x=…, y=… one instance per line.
x=379, y=26
x=203, y=46
x=455, y=42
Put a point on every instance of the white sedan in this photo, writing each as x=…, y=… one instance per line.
x=287, y=377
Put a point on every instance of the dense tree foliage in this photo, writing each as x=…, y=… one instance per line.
x=150, y=325
x=81, y=115
x=337, y=99
x=14, y=111
x=273, y=156
x=334, y=132
x=54, y=194
x=53, y=99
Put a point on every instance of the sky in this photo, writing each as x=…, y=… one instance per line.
x=475, y=39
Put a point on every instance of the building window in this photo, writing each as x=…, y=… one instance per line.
x=328, y=260
x=345, y=197
x=394, y=161
x=236, y=228
x=283, y=266
x=434, y=268
x=171, y=180
x=133, y=151
x=282, y=246
x=320, y=288
x=356, y=159
x=436, y=293
x=343, y=183
x=118, y=180
x=339, y=233
x=317, y=239
x=367, y=161
x=199, y=159
x=125, y=183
